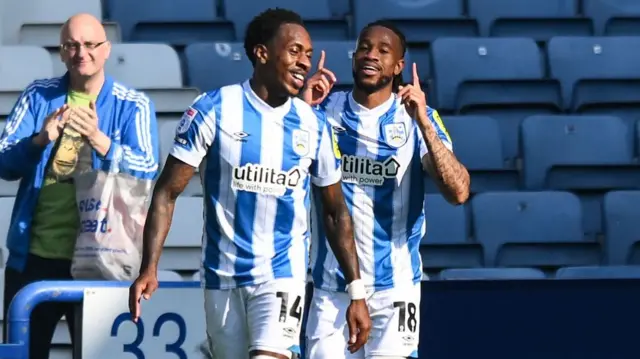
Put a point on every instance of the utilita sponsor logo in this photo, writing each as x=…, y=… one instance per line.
x=365, y=171
x=265, y=180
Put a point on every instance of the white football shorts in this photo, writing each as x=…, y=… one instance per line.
x=265, y=317
x=395, y=317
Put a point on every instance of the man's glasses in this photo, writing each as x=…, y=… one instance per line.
x=76, y=46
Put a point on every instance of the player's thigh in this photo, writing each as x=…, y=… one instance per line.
x=332, y=346
x=326, y=331
x=226, y=321
x=395, y=316
x=275, y=311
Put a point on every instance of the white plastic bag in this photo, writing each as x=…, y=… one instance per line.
x=113, y=208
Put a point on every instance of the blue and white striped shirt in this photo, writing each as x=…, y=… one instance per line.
x=383, y=184
x=257, y=163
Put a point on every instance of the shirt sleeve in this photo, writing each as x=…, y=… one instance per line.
x=441, y=130
x=326, y=170
x=195, y=132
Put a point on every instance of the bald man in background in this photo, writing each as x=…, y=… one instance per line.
x=60, y=127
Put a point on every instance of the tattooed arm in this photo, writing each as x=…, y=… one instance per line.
x=439, y=161
x=173, y=180
x=451, y=177
x=339, y=230
x=194, y=135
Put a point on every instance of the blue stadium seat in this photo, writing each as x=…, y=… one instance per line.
x=539, y=20
x=317, y=15
x=502, y=78
x=16, y=73
x=201, y=58
x=491, y=274
x=622, y=227
x=613, y=17
x=532, y=229
x=164, y=21
x=36, y=22
x=559, y=153
x=447, y=244
x=596, y=71
x=183, y=248
x=421, y=21
x=599, y=272
x=478, y=145
x=154, y=69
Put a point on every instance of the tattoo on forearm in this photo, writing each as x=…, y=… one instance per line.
x=452, y=176
x=339, y=230
x=174, y=178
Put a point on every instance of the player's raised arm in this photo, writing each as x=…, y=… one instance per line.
x=450, y=175
x=194, y=135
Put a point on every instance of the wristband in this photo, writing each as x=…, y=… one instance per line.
x=356, y=290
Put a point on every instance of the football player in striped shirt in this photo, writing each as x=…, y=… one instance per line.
x=389, y=139
x=259, y=149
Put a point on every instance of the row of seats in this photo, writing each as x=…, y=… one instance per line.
x=497, y=229
x=468, y=72
x=557, y=152
x=31, y=21
x=529, y=229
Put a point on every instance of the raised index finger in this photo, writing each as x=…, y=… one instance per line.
x=321, y=61
x=416, y=78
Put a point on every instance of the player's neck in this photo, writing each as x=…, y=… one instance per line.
x=371, y=100
x=261, y=90
x=87, y=85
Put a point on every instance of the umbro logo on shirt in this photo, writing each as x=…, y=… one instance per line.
x=240, y=136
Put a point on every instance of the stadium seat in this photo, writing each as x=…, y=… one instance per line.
x=163, y=21
x=622, y=227
x=17, y=74
x=559, y=153
x=613, y=17
x=532, y=229
x=599, y=272
x=201, y=58
x=168, y=276
x=183, y=247
x=447, y=244
x=420, y=21
x=36, y=22
x=502, y=78
x=317, y=15
x=596, y=71
x=477, y=143
x=196, y=276
x=167, y=132
x=6, y=207
x=154, y=69
x=539, y=20
x=7, y=188
x=491, y=274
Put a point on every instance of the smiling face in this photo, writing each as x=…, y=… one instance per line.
x=287, y=60
x=377, y=59
x=84, y=46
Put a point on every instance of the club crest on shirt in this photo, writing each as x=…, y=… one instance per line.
x=300, y=139
x=185, y=121
x=395, y=134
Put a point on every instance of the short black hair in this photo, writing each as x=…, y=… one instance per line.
x=397, y=80
x=264, y=27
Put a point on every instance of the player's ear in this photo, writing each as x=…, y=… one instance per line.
x=261, y=53
x=399, y=67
